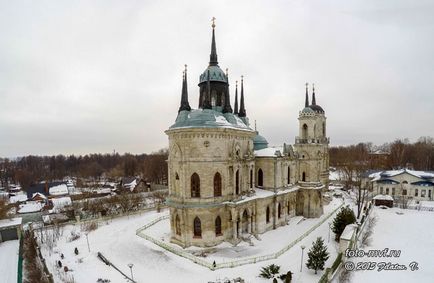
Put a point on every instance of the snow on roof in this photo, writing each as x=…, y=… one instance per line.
x=383, y=197
x=269, y=151
x=208, y=118
x=30, y=206
x=59, y=190
x=40, y=195
x=10, y=222
x=59, y=203
x=18, y=198
x=391, y=173
x=348, y=232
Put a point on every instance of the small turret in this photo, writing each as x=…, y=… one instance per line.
x=184, y=94
x=242, y=112
x=236, y=98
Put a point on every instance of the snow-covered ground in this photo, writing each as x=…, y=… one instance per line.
x=9, y=260
x=411, y=232
x=117, y=241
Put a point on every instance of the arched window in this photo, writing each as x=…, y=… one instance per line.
x=217, y=185
x=303, y=178
x=218, y=226
x=323, y=129
x=267, y=215
x=304, y=131
x=237, y=182
x=177, y=225
x=416, y=192
x=289, y=208
x=251, y=178
x=404, y=192
x=195, y=186
x=279, y=211
x=260, y=178
x=289, y=175
x=197, y=228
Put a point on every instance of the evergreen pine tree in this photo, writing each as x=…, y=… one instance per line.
x=344, y=217
x=317, y=255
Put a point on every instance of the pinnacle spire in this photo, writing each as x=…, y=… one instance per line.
x=236, y=98
x=306, y=102
x=184, y=94
x=213, y=56
x=313, y=95
x=227, y=106
x=242, y=108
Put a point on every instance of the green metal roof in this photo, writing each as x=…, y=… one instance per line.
x=216, y=74
x=208, y=118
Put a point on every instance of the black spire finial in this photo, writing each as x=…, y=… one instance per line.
x=236, y=98
x=306, y=102
x=184, y=95
x=227, y=107
x=313, y=95
x=213, y=56
x=207, y=100
x=242, y=108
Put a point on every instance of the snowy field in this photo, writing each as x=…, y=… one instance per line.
x=412, y=232
x=9, y=260
x=117, y=241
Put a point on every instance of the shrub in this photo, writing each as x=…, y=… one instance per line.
x=270, y=271
x=344, y=217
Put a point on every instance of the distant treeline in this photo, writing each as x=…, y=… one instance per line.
x=398, y=154
x=30, y=169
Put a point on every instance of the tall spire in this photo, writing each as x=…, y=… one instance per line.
x=242, y=108
x=313, y=95
x=213, y=56
x=227, y=106
x=207, y=99
x=184, y=95
x=306, y=102
x=236, y=98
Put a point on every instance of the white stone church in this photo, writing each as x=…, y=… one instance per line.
x=225, y=183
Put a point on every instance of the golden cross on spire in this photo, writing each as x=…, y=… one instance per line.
x=185, y=67
x=213, y=22
x=307, y=84
x=242, y=77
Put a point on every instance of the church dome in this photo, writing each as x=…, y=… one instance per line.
x=316, y=108
x=307, y=110
x=215, y=73
x=259, y=142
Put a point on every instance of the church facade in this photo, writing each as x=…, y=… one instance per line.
x=225, y=182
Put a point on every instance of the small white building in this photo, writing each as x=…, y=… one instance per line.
x=404, y=184
x=10, y=229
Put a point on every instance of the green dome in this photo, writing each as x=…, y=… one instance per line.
x=216, y=74
x=307, y=110
x=259, y=142
x=208, y=118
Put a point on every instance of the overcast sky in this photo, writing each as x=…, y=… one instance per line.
x=81, y=77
